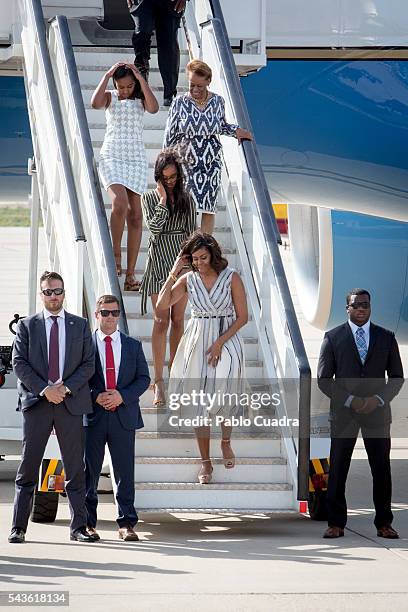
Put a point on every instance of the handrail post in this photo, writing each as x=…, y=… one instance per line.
x=34, y=200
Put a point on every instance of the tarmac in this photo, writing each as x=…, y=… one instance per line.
x=219, y=562
x=205, y=561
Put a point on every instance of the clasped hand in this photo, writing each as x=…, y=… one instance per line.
x=365, y=405
x=109, y=399
x=55, y=394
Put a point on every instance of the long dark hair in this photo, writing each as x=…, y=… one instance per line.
x=124, y=71
x=169, y=157
x=199, y=240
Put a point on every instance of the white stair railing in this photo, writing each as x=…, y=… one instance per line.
x=100, y=271
x=59, y=202
x=245, y=193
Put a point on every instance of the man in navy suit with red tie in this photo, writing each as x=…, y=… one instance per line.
x=121, y=376
x=354, y=360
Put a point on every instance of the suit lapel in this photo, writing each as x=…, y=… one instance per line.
x=373, y=340
x=352, y=341
x=42, y=338
x=98, y=364
x=69, y=329
x=123, y=340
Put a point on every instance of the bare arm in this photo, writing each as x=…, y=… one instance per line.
x=172, y=291
x=100, y=97
x=150, y=102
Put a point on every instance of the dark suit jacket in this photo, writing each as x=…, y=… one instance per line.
x=133, y=380
x=340, y=373
x=30, y=362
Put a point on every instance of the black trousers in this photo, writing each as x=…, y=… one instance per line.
x=378, y=452
x=158, y=15
x=38, y=422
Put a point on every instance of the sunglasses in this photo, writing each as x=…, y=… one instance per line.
x=356, y=305
x=105, y=313
x=49, y=292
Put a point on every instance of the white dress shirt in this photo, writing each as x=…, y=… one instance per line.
x=366, y=330
x=116, y=348
x=61, y=338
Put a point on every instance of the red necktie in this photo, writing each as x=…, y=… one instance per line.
x=53, y=352
x=110, y=364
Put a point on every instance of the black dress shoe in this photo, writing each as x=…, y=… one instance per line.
x=17, y=536
x=167, y=101
x=81, y=535
x=93, y=533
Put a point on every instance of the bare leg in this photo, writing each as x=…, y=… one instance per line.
x=207, y=223
x=227, y=452
x=120, y=203
x=176, y=327
x=203, y=440
x=134, y=222
x=160, y=326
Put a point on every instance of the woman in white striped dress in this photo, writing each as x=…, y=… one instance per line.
x=170, y=216
x=210, y=356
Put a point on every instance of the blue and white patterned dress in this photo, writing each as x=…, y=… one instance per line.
x=123, y=157
x=212, y=313
x=195, y=132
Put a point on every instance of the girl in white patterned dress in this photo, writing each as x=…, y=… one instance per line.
x=123, y=163
x=210, y=355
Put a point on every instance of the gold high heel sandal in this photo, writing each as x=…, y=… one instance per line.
x=229, y=462
x=205, y=477
x=159, y=395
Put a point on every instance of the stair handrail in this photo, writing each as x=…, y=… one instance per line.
x=63, y=189
x=92, y=207
x=270, y=234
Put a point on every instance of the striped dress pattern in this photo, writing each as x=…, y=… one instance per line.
x=167, y=233
x=123, y=158
x=195, y=133
x=212, y=313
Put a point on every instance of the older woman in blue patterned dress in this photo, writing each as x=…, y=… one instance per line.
x=196, y=121
x=123, y=163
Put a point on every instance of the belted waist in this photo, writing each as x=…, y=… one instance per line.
x=199, y=314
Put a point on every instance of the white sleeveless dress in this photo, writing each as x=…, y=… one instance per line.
x=123, y=157
x=212, y=313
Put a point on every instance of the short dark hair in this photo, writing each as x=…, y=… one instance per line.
x=357, y=292
x=46, y=275
x=106, y=299
x=124, y=71
x=199, y=240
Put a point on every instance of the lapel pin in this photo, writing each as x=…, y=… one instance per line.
x=71, y=322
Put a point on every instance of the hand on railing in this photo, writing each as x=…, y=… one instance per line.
x=242, y=134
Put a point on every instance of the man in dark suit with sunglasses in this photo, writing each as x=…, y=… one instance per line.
x=354, y=360
x=121, y=376
x=53, y=359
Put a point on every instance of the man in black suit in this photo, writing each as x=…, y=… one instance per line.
x=354, y=359
x=163, y=16
x=53, y=359
x=121, y=376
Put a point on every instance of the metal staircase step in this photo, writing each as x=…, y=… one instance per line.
x=215, y=495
